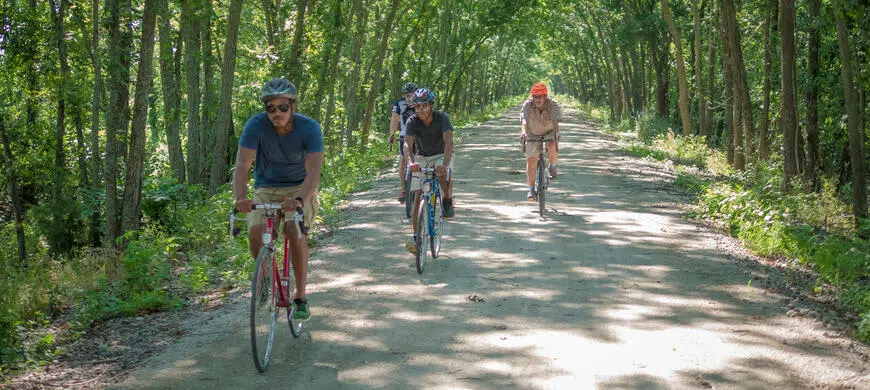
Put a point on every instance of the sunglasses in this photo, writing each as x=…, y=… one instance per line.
x=284, y=107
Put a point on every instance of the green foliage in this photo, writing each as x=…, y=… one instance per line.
x=798, y=225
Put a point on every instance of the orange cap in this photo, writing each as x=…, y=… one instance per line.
x=539, y=89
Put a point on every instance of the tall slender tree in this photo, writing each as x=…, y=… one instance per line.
x=192, y=58
x=789, y=103
x=854, y=115
x=171, y=95
x=136, y=155
x=685, y=117
x=225, y=119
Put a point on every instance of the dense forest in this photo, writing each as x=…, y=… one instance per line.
x=119, y=119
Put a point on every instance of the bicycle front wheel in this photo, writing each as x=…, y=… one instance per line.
x=422, y=235
x=409, y=199
x=435, y=225
x=264, y=312
x=541, y=186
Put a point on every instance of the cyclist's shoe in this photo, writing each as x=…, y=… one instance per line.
x=301, y=313
x=412, y=244
x=531, y=195
x=448, y=211
x=402, y=197
x=552, y=172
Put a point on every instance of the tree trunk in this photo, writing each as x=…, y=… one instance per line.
x=225, y=114
x=96, y=161
x=192, y=59
x=350, y=94
x=58, y=11
x=853, y=115
x=787, y=111
x=209, y=99
x=741, y=88
x=271, y=34
x=662, y=78
x=116, y=131
x=169, y=85
x=812, y=95
x=17, y=202
x=699, y=67
x=293, y=72
x=711, y=85
x=681, y=70
x=376, y=73
x=735, y=130
x=764, y=126
x=136, y=159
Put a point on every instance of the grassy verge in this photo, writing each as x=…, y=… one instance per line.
x=181, y=251
x=814, y=228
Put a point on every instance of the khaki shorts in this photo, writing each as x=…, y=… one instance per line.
x=278, y=194
x=428, y=162
x=532, y=148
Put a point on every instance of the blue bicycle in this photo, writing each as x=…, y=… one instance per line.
x=428, y=220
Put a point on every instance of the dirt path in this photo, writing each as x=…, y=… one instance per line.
x=614, y=290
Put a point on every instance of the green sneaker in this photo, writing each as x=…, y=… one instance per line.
x=301, y=313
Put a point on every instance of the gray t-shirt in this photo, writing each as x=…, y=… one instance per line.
x=429, y=139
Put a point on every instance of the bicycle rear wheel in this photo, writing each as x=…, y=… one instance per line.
x=437, y=220
x=541, y=186
x=422, y=235
x=264, y=312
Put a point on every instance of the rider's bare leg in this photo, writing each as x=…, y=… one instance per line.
x=531, y=165
x=551, y=152
x=255, y=238
x=299, y=254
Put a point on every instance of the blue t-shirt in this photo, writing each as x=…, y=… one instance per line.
x=280, y=159
x=405, y=111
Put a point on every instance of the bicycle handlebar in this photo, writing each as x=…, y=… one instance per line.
x=297, y=217
x=424, y=170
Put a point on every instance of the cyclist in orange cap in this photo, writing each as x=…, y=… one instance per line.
x=540, y=120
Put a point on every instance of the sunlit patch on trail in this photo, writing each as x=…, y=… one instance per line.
x=415, y=317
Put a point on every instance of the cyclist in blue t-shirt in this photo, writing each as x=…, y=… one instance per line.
x=402, y=110
x=286, y=149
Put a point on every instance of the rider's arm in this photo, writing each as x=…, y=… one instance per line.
x=394, y=123
x=448, y=147
x=313, y=168
x=409, y=147
x=241, y=172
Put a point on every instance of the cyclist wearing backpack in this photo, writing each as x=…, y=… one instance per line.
x=431, y=133
x=540, y=120
x=287, y=148
x=402, y=110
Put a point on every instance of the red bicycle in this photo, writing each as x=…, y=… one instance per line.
x=271, y=286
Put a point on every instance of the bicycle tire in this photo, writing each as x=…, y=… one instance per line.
x=264, y=311
x=409, y=199
x=422, y=236
x=541, y=186
x=435, y=237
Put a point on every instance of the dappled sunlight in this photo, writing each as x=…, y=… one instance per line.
x=608, y=290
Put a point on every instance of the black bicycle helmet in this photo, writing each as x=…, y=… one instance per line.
x=409, y=87
x=278, y=87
